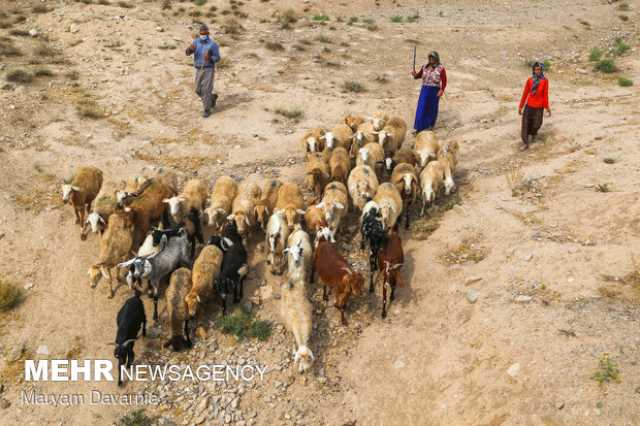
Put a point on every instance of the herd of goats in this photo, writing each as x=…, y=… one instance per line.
x=363, y=164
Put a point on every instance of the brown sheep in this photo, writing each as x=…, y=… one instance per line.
x=179, y=287
x=81, y=190
x=427, y=147
x=340, y=165
x=372, y=155
x=267, y=203
x=205, y=271
x=314, y=219
x=405, y=178
x=364, y=135
x=340, y=136
x=291, y=203
x=224, y=192
x=243, y=209
x=148, y=208
x=115, y=247
x=335, y=204
x=431, y=179
x=403, y=155
x=353, y=121
x=312, y=140
x=317, y=173
x=448, y=157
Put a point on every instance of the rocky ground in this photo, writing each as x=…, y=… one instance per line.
x=521, y=288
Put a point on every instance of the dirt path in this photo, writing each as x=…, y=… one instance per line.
x=523, y=353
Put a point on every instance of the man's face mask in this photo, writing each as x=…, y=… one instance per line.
x=203, y=36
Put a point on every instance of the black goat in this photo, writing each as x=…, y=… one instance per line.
x=191, y=222
x=129, y=320
x=372, y=230
x=234, y=265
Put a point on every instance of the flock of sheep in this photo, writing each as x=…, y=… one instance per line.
x=364, y=163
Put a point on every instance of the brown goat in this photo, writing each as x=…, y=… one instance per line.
x=334, y=271
x=148, y=208
x=82, y=190
x=390, y=261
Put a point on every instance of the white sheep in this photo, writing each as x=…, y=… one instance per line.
x=448, y=157
x=431, y=179
x=276, y=235
x=427, y=147
x=297, y=315
x=335, y=203
x=390, y=201
x=192, y=198
x=299, y=255
x=362, y=184
x=372, y=154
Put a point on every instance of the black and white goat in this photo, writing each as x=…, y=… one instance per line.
x=155, y=268
x=130, y=319
x=372, y=231
x=234, y=265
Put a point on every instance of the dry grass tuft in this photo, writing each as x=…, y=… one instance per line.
x=8, y=49
x=10, y=295
x=287, y=19
x=88, y=108
x=467, y=251
x=515, y=180
x=353, y=87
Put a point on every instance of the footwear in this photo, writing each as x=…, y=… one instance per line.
x=214, y=99
x=206, y=113
x=524, y=147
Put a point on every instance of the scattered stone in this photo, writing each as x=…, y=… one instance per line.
x=159, y=29
x=528, y=257
x=4, y=404
x=29, y=286
x=523, y=299
x=33, y=32
x=560, y=405
x=514, y=370
x=472, y=295
x=399, y=364
x=42, y=350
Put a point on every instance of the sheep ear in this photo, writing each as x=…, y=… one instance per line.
x=230, y=217
x=75, y=188
x=166, y=200
x=198, y=299
x=339, y=205
x=300, y=211
x=266, y=210
x=320, y=205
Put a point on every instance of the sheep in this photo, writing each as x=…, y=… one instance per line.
x=206, y=269
x=314, y=219
x=340, y=136
x=379, y=120
x=156, y=268
x=148, y=207
x=390, y=201
x=364, y=135
x=403, y=155
x=267, y=202
x=291, y=203
x=392, y=135
x=390, y=262
x=131, y=317
x=362, y=184
x=427, y=147
x=243, y=208
x=353, y=121
x=234, y=267
x=317, y=171
x=276, y=240
x=299, y=254
x=177, y=309
x=104, y=204
x=405, y=178
x=334, y=204
x=431, y=179
x=297, y=314
x=129, y=187
x=372, y=154
x=224, y=192
x=372, y=231
x=312, y=140
x=154, y=242
x=115, y=246
x=334, y=271
x=81, y=190
x=339, y=165
x=192, y=198
x=448, y=157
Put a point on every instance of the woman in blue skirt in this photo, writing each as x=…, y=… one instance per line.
x=434, y=81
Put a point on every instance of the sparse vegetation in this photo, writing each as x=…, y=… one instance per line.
x=603, y=187
x=10, y=295
x=608, y=371
x=39, y=8
x=43, y=72
x=609, y=160
x=625, y=82
x=320, y=18
x=290, y=113
x=624, y=7
x=135, y=418
x=515, y=180
x=595, y=54
x=323, y=39
x=382, y=79
x=397, y=19
x=232, y=27
x=623, y=18
x=372, y=27
x=467, y=251
x=88, y=108
x=199, y=2
x=287, y=19
x=606, y=66
x=352, y=20
x=413, y=18
x=621, y=47
x=242, y=325
x=353, y=86
x=19, y=76
x=274, y=46
x=8, y=49
x=125, y=4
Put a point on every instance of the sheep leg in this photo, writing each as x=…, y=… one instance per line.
x=372, y=270
x=384, y=297
x=186, y=333
x=144, y=328
x=406, y=215
x=155, y=301
x=77, y=212
x=325, y=294
x=119, y=373
x=131, y=356
x=110, y=278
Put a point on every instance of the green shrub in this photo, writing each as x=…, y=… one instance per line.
x=353, y=86
x=397, y=19
x=242, y=325
x=10, y=295
x=625, y=82
x=135, y=418
x=620, y=47
x=413, y=18
x=19, y=76
x=199, y=2
x=320, y=18
x=608, y=371
x=595, y=54
x=606, y=66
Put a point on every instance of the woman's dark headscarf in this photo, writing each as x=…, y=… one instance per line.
x=435, y=56
x=536, y=78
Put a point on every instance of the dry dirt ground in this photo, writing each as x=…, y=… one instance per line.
x=549, y=256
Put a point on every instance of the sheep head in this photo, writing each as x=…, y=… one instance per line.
x=295, y=252
x=67, y=190
x=215, y=216
x=241, y=221
x=329, y=139
x=408, y=185
x=364, y=154
x=95, y=274
x=192, y=301
x=175, y=206
x=262, y=215
x=95, y=222
x=304, y=358
x=291, y=216
x=388, y=164
x=312, y=144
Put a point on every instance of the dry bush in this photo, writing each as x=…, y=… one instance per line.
x=10, y=295
x=274, y=46
x=8, y=49
x=19, y=76
x=353, y=87
x=468, y=250
x=88, y=108
x=517, y=182
x=43, y=72
x=39, y=8
x=295, y=114
x=232, y=27
x=287, y=18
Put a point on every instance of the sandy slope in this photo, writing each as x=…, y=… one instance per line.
x=437, y=359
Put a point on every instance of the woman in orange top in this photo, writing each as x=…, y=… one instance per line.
x=535, y=99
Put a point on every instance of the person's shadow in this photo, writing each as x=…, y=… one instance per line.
x=231, y=101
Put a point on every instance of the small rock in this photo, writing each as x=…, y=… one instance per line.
x=528, y=257
x=159, y=29
x=399, y=364
x=28, y=286
x=472, y=295
x=33, y=33
x=42, y=350
x=560, y=405
x=4, y=404
x=472, y=280
x=523, y=299
x=581, y=71
x=514, y=370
